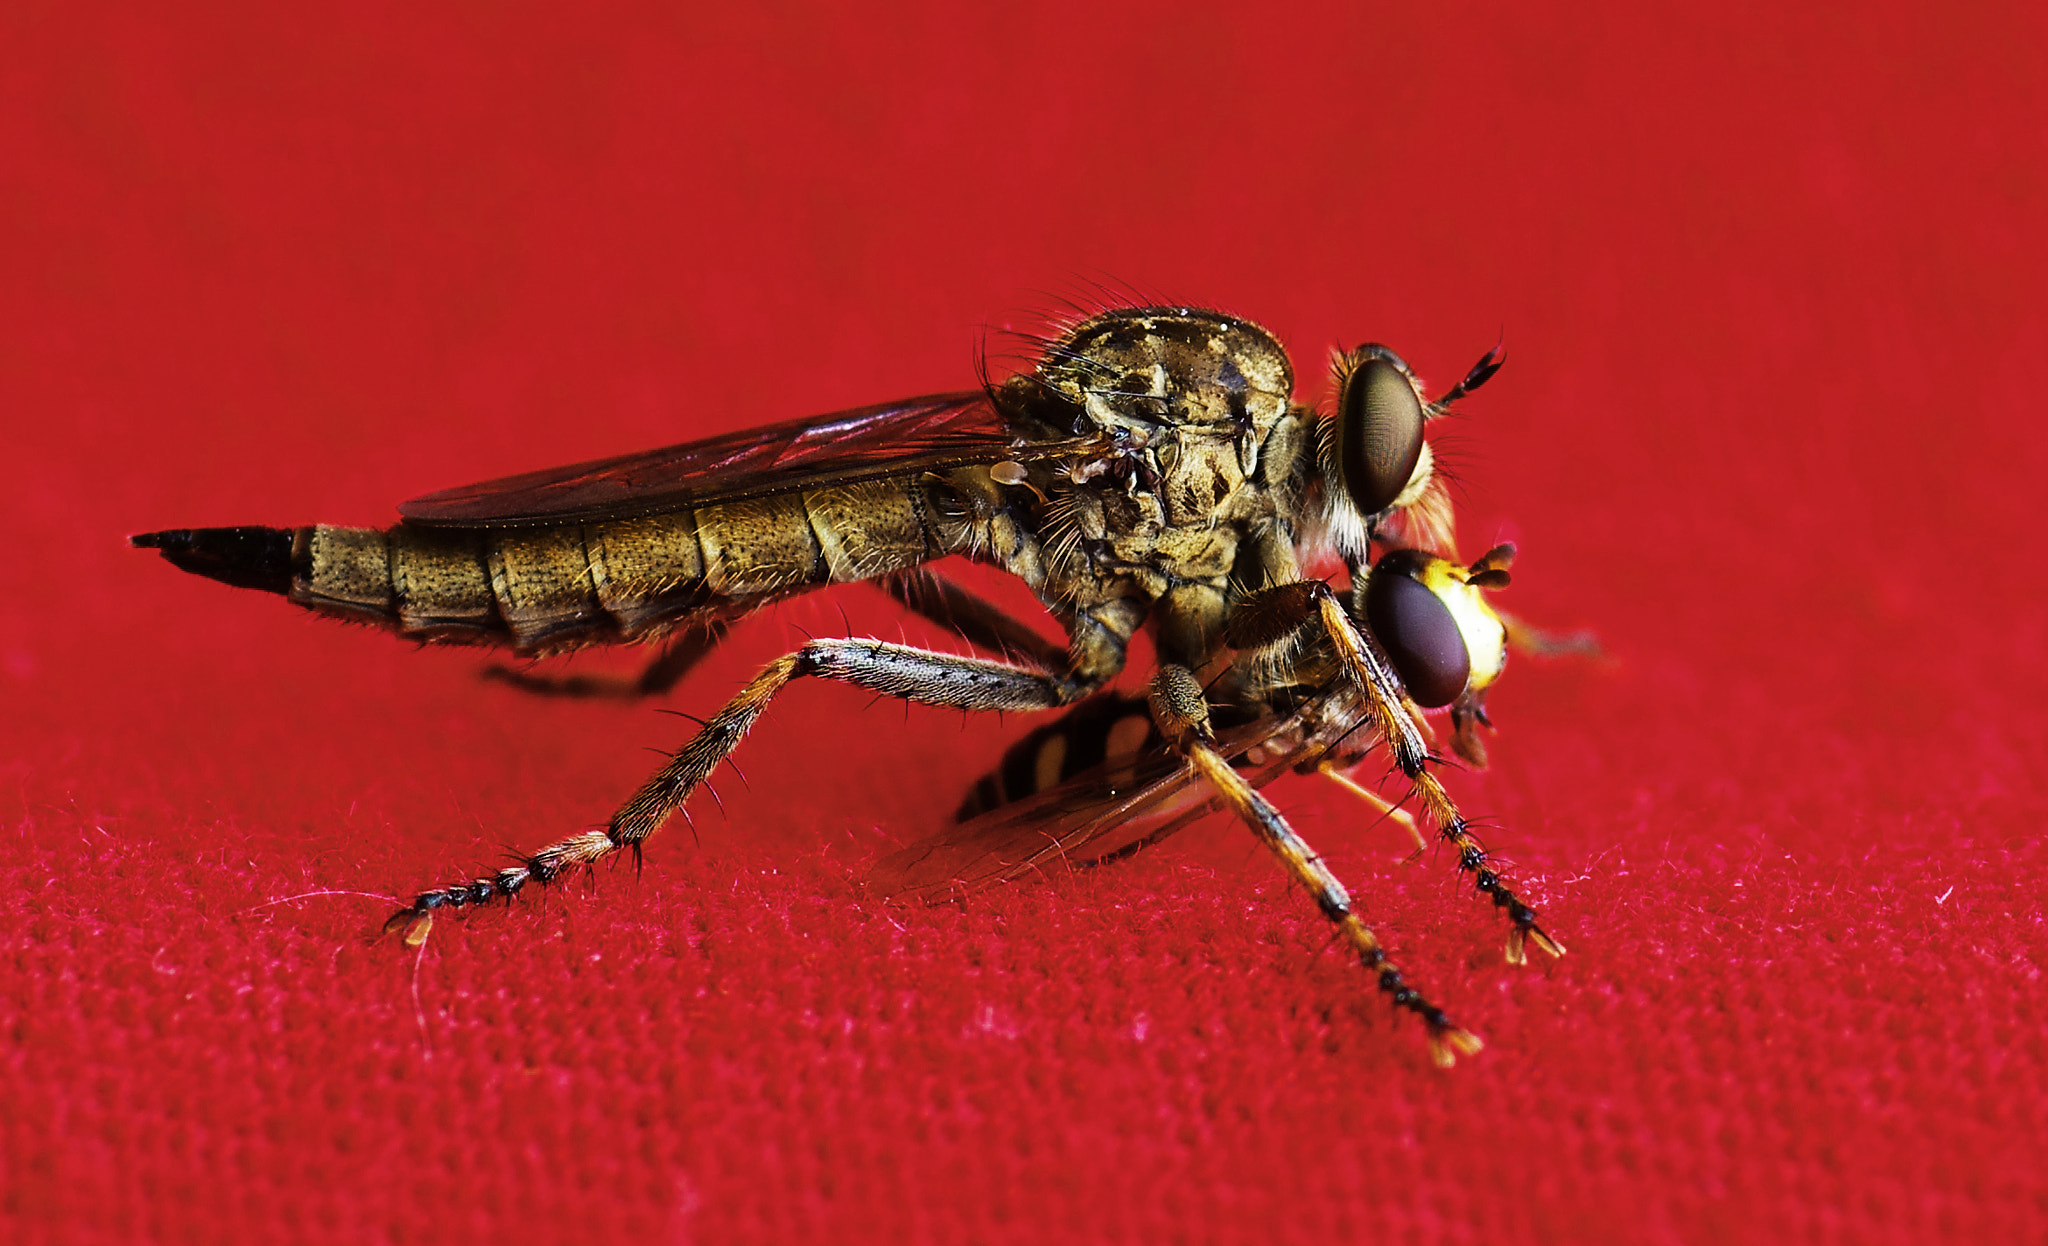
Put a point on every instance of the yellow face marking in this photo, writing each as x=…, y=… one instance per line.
x=1486, y=637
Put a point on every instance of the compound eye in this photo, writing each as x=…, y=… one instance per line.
x=1418, y=633
x=1379, y=434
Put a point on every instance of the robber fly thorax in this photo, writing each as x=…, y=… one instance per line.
x=1150, y=469
x=1195, y=488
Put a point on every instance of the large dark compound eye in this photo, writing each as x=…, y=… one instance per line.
x=1417, y=631
x=1379, y=431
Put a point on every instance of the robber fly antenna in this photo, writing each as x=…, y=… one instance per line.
x=1480, y=374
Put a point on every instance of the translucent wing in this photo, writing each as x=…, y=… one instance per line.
x=933, y=433
x=1097, y=813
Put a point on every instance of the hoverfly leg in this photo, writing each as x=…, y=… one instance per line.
x=1183, y=716
x=677, y=658
x=921, y=675
x=1388, y=810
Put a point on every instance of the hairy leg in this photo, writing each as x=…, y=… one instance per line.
x=1278, y=611
x=676, y=659
x=1183, y=716
x=985, y=626
x=921, y=675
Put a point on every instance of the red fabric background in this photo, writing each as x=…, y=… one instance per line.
x=1771, y=284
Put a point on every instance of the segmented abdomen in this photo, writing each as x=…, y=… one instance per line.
x=545, y=588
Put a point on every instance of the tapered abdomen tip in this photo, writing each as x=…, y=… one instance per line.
x=259, y=558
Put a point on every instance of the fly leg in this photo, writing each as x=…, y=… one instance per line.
x=1183, y=715
x=921, y=675
x=1388, y=810
x=676, y=659
x=1271, y=615
x=985, y=626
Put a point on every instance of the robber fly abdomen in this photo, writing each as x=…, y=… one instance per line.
x=545, y=588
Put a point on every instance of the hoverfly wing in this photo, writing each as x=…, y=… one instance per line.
x=933, y=433
x=1091, y=816
x=1008, y=842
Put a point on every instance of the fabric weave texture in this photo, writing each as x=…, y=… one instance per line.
x=1770, y=283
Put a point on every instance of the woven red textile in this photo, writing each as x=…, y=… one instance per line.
x=1770, y=424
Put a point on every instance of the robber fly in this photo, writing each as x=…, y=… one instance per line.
x=1149, y=469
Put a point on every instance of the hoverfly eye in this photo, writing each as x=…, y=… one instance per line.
x=1418, y=633
x=1379, y=434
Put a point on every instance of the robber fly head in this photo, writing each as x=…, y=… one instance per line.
x=1379, y=472
x=1431, y=618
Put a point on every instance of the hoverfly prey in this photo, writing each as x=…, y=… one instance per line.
x=1150, y=468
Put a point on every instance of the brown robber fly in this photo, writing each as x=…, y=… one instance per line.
x=1150, y=468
